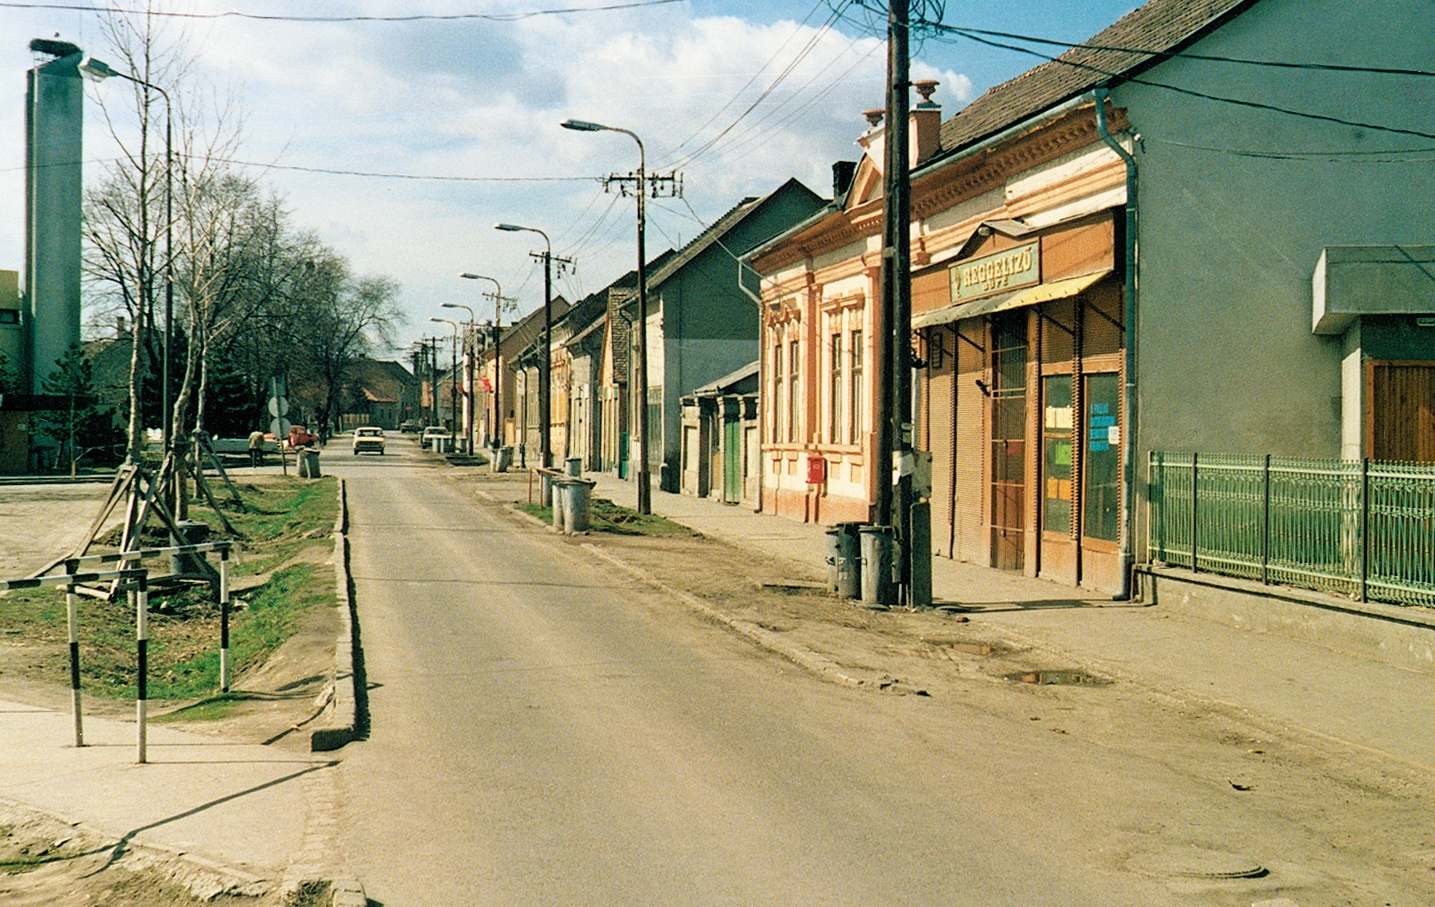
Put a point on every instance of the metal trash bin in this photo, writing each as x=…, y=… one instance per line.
x=844, y=565
x=500, y=458
x=573, y=466
x=876, y=543
x=576, y=497
x=558, y=501
x=192, y=532
x=545, y=489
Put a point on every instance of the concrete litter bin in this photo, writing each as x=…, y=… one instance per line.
x=844, y=566
x=309, y=463
x=876, y=544
x=191, y=533
x=577, y=494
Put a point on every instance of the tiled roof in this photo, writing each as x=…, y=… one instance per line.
x=1157, y=27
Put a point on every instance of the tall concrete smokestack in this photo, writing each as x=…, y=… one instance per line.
x=54, y=119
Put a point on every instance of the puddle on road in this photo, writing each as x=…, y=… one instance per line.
x=1058, y=678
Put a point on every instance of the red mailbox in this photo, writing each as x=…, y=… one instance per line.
x=816, y=470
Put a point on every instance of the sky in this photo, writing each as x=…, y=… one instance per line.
x=480, y=101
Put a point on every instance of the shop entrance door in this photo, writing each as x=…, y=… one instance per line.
x=1008, y=441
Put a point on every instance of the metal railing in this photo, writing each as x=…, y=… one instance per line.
x=1360, y=528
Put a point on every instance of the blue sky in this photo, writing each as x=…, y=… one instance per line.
x=484, y=99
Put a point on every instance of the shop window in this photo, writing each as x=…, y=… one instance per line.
x=1101, y=493
x=1056, y=453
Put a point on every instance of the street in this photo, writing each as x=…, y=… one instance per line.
x=544, y=732
x=544, y=736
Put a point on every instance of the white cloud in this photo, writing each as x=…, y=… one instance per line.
x=485, y=100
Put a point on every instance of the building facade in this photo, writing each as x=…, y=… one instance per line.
x=1117, y=253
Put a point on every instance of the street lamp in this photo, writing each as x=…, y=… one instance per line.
x=452, y=373
x=545, y=362
x=496, y=427
x=468, y=344
x=641, y=351
x=99, y=71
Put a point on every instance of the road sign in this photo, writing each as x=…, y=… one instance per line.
x=279, y=428
x=278, y=406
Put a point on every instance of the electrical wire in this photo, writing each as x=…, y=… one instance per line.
x=1183, y=55
x=415, y=17
x=1189, y=92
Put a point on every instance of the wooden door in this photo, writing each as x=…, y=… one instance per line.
x=1400, y=411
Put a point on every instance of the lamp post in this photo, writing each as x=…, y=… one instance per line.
x=468, y=351
x=545, y=389
x=452, y=373
x=100, y=71
x=496, y=427
x=641, y=351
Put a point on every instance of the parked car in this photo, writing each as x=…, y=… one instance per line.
x=440, y=434
x=369, y=439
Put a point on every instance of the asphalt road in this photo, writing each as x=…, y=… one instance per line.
x=545, y=732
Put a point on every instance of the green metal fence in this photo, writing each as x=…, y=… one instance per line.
x=1358, y=528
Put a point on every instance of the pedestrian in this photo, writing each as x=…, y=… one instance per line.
x=256, y=448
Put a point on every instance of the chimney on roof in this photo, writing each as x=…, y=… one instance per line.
x=121, y=330
x=926, y=123
x=842, y=173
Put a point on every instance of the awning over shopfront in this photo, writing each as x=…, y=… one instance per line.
x=1002, y=302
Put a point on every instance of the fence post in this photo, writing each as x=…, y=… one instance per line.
x=224, y=620
x=1195, y=567
x=1364, y=526
x=141, y=596
x=1266, y=523
x=73, y=620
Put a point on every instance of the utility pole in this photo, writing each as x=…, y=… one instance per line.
x=895, y=372
x=545, y=362
x=670, y=186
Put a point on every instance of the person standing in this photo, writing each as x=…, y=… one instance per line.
x=256, y=448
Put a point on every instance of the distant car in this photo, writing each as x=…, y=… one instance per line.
x=440, y=434
x=411, y=427
x=369, y=439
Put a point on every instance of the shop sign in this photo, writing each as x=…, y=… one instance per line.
x=1009, y=270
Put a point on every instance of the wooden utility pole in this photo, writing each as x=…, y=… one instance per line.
x=894, y=370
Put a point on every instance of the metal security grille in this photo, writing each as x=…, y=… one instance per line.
x=1360, y=528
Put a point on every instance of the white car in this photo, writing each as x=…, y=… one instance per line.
x=369, y=439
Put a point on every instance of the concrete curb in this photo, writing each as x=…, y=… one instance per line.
x=799, y=655
x=341, y=725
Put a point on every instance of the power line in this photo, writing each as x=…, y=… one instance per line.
x=416, y=17
x=1384, y=156
x=370, y=174
x=1182, y=55
x=1189, y=92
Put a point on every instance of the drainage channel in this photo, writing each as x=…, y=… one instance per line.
x=1057, y=678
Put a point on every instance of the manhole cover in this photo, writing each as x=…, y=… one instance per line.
x=1058, y=678
x=1203, y=864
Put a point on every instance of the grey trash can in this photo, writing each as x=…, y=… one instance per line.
x=545, y=489
x=309, y=463
x=191, y=533
x=576, y=495
x=558, y=501
x=500, y=458
x=844, y=570
x=876, y=566
x=573, y=467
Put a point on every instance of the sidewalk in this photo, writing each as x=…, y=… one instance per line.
x=237, y=811
x=1344, y=697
